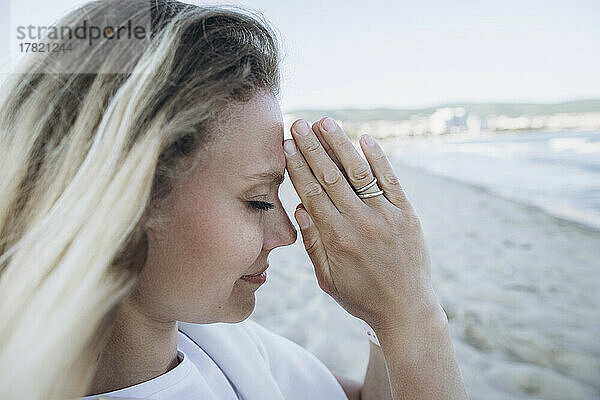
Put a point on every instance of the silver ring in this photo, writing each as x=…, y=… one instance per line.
x=367, y=186
x=367, y=195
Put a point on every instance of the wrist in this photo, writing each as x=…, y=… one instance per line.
x=427, y=319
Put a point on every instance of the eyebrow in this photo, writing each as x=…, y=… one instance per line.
x=272, y=175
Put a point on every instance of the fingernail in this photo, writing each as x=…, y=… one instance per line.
x=301, y=127
x=329, y=124
x=289, y=147
x=303, y=219
x=369, y=140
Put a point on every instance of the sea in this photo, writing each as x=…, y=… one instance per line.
x=556, y=171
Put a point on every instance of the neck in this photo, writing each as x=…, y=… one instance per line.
x=139, y=349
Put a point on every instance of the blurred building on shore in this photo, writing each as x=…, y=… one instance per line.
x=457, y=120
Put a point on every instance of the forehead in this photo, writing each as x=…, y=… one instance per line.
x=250, y=138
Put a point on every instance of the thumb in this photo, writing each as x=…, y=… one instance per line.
x=313, y=245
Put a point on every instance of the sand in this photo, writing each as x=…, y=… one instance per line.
x=520, y=288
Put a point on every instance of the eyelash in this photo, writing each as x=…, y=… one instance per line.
x=261, y=205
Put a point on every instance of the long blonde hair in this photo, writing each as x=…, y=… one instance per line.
x=85, y=155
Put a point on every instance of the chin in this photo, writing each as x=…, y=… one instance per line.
x=233, y=319
x=239, y=308
x=232, y=309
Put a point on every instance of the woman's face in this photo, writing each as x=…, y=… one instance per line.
x=208, y=233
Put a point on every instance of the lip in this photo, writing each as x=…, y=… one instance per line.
x=258, y=279
x=259, y=272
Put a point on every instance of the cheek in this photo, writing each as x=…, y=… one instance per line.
x=224, y=240
x=195, y=261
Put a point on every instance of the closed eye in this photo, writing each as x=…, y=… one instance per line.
x=261, y=205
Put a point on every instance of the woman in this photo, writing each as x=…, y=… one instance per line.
x=140, y=189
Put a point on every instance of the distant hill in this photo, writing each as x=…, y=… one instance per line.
x=483, y=109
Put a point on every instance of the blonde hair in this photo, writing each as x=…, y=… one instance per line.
x=84, y=157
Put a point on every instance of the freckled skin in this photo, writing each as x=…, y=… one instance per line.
x=212, y=236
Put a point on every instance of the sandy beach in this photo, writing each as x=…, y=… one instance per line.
x=519, y=286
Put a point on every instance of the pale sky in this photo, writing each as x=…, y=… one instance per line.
x=368, y=54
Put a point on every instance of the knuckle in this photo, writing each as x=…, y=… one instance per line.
x=405, y=220
x=344, y=143
x=391, y=180
x=393, y=218
x=339, y=139
x=313, y=189
x=312, y=146
x=375, y=226
x=332, y=176
x=401, y=223
x=379, y=157
x=339, y=240
x=371, y=226
x=295, y=164
x=365, y=218
x=360, y=172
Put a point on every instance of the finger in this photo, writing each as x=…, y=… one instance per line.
x=314, y=247
x=357, y=168
x=328, y=149
x=325, y=170
x=310, y=191
x=383, y=170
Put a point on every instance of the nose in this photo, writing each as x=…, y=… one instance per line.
x=279, y=231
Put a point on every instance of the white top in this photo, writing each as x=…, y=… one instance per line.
x=242, y=361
